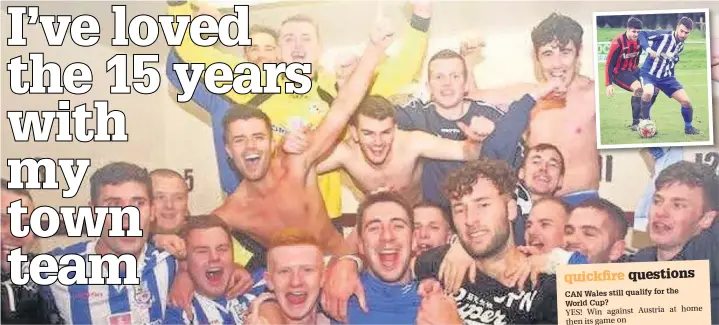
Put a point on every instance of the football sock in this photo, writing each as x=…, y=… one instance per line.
x=687, y=115
x=654, y=99
x=646, y=106
x=636, y=109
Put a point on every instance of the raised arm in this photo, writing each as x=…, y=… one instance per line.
x=343, y=107
x=189, y=52
x=434, y=147
x=402, y=69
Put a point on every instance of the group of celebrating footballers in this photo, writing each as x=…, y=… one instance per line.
x=656, y=73
x=468, y=201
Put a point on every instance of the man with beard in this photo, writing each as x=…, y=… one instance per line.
x=568, y=123
x=482, y=210
x=289, y=179
x=657, y=72
x=209, y=262
x=21, y=304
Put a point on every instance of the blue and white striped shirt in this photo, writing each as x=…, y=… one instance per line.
x=116, y=304
x=218, y=311
x=663, y=42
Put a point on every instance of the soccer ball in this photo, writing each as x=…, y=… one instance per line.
x=647, y=129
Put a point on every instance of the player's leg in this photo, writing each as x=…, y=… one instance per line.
x=647, y=82
x=681, y=96
x=628, y=81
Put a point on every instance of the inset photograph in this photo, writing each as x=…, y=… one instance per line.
x=653, y=78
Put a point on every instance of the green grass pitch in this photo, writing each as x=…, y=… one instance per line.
x=615, y=113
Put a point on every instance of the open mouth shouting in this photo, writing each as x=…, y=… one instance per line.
x=252, y=161
x=389, y=258
x=214, y=275
x=296, y=298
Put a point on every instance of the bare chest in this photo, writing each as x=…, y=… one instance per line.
x=402, y=174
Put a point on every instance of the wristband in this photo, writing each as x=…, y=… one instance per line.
x=356, y=259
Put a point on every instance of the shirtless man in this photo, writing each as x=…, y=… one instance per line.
x=378, y=156
x=569, y=124
x=289, y=179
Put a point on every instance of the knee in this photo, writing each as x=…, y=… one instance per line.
x=646, y=95
x=686, y=104
x=638, y=92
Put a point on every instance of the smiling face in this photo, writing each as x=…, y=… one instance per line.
x=447, y=81
x=375, y=137
x=545, y=226
x=386, y=241
x=295, y=274
x=542, y=171
x=431, y=229
x=169, y=201
x=249, y=144
x=299, y=41
x=482, y=219
x=558, y=62
x=209, y=260
x=676, y=215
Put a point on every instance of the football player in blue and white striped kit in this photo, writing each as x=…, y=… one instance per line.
x=658, y=69
x=119, y=184
x=208, y=242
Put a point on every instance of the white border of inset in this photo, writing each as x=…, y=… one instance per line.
x=601, y=146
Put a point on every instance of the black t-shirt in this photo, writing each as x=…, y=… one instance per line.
x=25, y=305
x=488, y=301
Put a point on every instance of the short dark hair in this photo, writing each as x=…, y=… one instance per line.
x=262, y=29
x=547, y=146
x=447, y=54
x=20, y=192
x=558, y=28
x=381, y=197
x=687, y=22
x=692, y=174
x=244, y=112
x=634, y=23
x=615, y=213
x=116, y=173
x=374, y=107
x=206, y=221
x=459, y=183
x=446, y=213
x=556, y=200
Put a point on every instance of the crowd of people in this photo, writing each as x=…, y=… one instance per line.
x=468, y=202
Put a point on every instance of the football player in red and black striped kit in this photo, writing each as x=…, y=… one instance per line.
x=622, y=67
